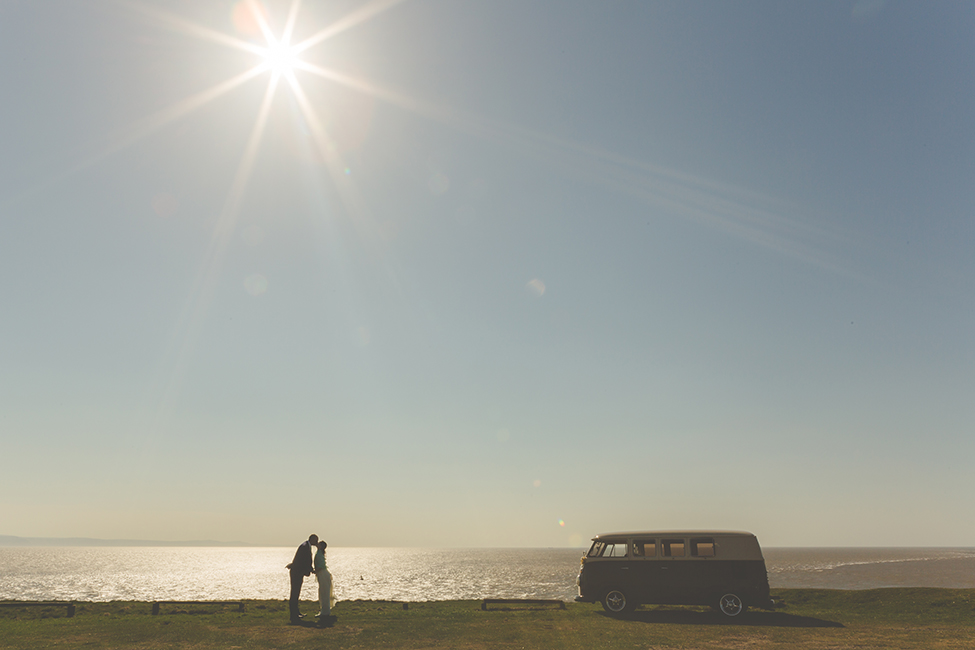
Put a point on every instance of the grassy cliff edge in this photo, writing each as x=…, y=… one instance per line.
x=807, y=618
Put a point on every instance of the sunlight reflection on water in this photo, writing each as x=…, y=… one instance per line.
x=415, y=574
x=181, y=573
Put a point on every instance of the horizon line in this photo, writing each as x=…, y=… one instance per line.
x=10, y=541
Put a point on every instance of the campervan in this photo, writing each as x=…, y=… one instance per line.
x=722, y=569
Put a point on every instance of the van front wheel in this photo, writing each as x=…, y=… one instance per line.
x=731, y=604
x=615, y=602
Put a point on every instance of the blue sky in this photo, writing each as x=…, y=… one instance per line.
x=491, y=273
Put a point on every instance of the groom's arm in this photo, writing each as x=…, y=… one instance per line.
x=311, y=561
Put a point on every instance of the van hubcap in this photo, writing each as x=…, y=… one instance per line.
x=616, y=601
x=731, y=605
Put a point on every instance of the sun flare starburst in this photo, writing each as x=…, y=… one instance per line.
x=275, y=54
x=281, y=58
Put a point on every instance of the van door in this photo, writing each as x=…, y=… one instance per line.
x=613, y=570
x=703, y=575
x=620, y=569
x=646, y=568
x=672, y=567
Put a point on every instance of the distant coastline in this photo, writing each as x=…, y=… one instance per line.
x=12, y=540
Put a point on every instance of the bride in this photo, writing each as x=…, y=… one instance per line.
x=326, y=594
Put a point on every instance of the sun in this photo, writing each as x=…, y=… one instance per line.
x=281, y=58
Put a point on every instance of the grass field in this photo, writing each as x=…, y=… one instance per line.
x=814, y=619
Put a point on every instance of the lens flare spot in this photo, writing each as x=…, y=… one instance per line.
x=536, y=287
x=575, y=539
x=164, y=204
x=438, y=183
x=362, y=335
x=246, y=17
x=537, y=482
x=562, y=523
x=255, y=284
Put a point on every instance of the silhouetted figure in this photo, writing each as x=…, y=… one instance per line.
x=326, y=594
x=300, y=567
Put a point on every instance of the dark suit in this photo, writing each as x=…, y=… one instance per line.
x=300, y=567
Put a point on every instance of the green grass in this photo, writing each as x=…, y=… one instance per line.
x=813, y=619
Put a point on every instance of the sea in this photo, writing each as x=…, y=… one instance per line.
x=417, y=574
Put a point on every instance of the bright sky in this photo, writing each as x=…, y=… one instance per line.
x=488, y=272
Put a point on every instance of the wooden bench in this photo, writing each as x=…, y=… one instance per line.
x=69, y=605
x=156, y=604
x=405, y=605
x=520, y=601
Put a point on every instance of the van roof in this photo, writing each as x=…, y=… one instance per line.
x=735, y=544
x=674, y=533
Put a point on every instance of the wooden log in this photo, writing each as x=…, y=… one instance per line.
x=405, y=604
x=156, y=604
x=70, y=605
x=521, y=601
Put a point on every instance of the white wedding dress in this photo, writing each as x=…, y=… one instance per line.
x=326, y=592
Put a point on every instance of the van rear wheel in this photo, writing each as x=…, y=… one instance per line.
x=731, y=605
x=616, y=602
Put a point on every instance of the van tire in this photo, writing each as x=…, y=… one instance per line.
x=616, y=602
x=731, y=605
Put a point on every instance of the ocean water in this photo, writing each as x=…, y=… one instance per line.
x=870, y=568
x=416, y=574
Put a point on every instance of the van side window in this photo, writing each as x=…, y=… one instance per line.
x=615, y=550
x=702, y=547
x=672, y=547
x=597, y=549
x=644, y=547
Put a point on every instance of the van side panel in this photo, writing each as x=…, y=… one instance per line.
x=675, y=582
x=695, y=571
x=701, y=582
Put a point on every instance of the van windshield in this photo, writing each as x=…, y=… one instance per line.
x=607, y=549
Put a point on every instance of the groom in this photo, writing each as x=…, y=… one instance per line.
x=300, y=567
